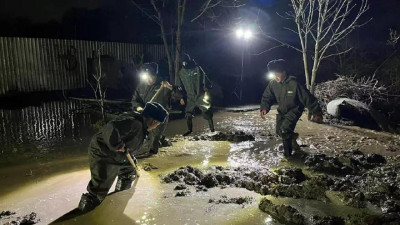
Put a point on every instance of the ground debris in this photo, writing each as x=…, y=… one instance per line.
x=6, y=213
x=25, y=220
x=328, y=164
x=328, y=220
x=290, y=175
x=149, y=167
x=183, y=193
x=238, y=136
x=201, y=188
x=228, y=200
x=180, y=187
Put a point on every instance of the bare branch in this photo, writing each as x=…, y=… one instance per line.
x=336, y=54
x=141, y=9
x=270, y=49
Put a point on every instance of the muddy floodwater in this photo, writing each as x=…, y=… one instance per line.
x=44, y=168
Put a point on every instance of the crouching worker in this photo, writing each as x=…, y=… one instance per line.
x=107, y=150
x=291, y=98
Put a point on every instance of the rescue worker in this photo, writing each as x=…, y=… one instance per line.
x=291, y=98
x=151, y=82
x=107, y=152
x=192, y=79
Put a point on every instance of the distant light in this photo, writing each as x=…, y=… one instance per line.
x=239, y=33
x=271, y=75
x=248, y=34
x=144, y=76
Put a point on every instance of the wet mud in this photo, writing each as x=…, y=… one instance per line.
x=232, y=200
x=25, y=220
x=238, y=136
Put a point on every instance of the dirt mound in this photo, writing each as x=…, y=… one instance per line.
x=288, y=182
x=239, y=136
x=228, y=200
x=283, y=213
x=6, y=213
x=25, y=220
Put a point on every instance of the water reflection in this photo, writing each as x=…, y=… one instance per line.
x=43, y=126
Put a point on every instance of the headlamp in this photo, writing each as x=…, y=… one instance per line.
x=144, y=76
x=271, y=75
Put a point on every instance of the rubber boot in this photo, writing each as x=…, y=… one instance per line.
x=189, y=122
x=125, y=183
x=211, y=125
x=156, y=146
x=295, y=145
x=287, y=147
x=88, y=203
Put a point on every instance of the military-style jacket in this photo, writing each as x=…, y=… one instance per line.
x=290, y=96
x=127, y=130
x=193, y=80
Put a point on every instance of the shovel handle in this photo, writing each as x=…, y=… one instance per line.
x=132, y=163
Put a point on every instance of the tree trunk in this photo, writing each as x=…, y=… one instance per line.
x=169, y=55
x=181, y=13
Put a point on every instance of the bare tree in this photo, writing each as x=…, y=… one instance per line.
x=181, y=7
x=320, y=26
x=160, y=22
x=98, y=89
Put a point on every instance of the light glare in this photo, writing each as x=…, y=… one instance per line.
x=144, y=76
x=248, y=34
x=239, y=33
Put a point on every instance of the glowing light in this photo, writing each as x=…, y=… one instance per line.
x=206, y=97
x=248, y=34
x=144, y=76
x=239, y=33
x=271, y=75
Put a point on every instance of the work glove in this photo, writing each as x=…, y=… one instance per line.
x=263, y=113
x=317, y=118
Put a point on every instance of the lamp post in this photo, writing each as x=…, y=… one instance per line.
x=244, y=36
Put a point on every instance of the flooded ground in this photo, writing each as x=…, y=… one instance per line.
x=52, y=186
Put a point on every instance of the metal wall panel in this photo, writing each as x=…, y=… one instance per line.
x=35, y=64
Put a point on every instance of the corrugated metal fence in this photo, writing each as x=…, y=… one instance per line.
x=34, y=64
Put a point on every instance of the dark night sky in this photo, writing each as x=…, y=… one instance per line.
x=43, y=10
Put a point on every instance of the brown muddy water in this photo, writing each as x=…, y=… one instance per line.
x=44, y=170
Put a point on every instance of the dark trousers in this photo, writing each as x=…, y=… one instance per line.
x=198, y=102
x=104, y=170
x=285, y=125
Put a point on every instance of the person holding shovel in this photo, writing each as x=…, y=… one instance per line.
x=291, y=98
x=110, y=152
x=152, y=89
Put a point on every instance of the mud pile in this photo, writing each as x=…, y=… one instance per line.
x=287, y=182
x=25, y=220
x=228, y=200
x=6, y=214
x=238, y=136
x=289, y=215
x=283, y=213
x=349, y=162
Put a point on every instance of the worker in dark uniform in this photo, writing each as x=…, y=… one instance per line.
x=291, y=98
x=151, y=82
x=194, y=81
x=107, y=152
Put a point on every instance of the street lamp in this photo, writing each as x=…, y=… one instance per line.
x=243, y=35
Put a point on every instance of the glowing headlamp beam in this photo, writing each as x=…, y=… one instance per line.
x=271, y=75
